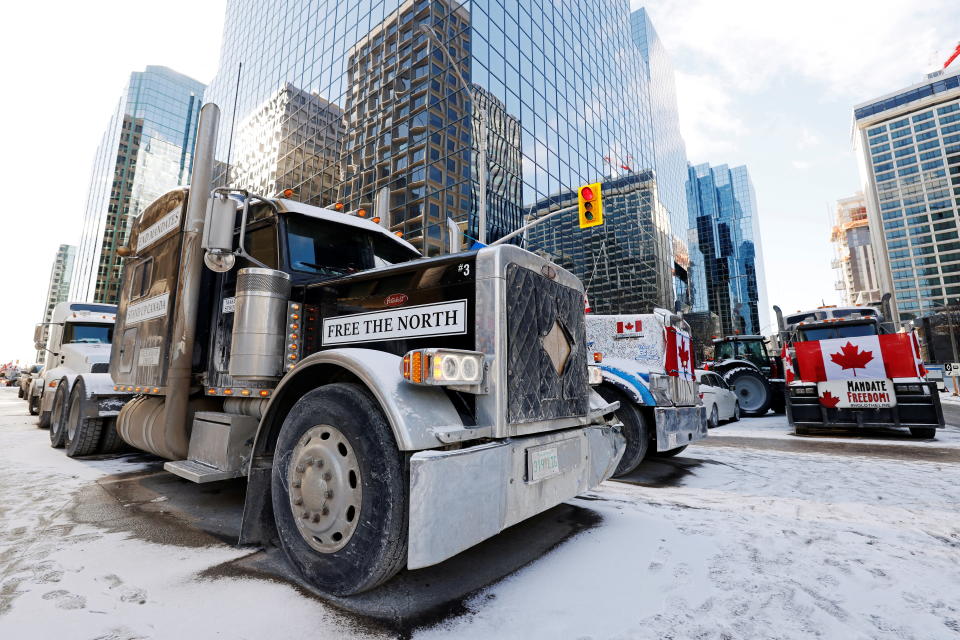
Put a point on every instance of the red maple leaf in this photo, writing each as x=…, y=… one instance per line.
x=829, y=400
x=628, y=326
x=683, y=354
x=852, y=357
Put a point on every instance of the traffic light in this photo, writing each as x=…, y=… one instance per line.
x=590, y=202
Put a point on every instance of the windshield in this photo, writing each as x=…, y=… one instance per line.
x=751, y=349
x=843, y=313
x=330, y=249
x=839, y=331
x=77, y=332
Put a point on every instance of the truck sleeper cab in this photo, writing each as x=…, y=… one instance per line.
x=890, y=390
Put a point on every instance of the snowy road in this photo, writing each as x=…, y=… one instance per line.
x=755, y=534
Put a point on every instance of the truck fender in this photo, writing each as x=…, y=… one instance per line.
x=105, y=401
x=47, y=392
x=416, y=415
x=629, y=384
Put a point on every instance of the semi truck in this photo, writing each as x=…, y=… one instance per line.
x=78, y=347
x=646, y=362
x=847, y=370
x=387, y=410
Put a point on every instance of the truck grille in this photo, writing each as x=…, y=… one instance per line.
x=546, y=348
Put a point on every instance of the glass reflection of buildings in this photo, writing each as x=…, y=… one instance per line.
x=724, y=207
x=554, y=95
x=146, y=150
x=625, y=263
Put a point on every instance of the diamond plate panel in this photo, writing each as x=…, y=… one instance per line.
x=535, y=391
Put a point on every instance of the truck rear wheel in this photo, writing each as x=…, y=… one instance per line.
x=33, y=406
x=110, y=441
x=751, y=389
x=339, y=491
x=635, y=430
x=926, y=433
x=58, y=414
x=83, y=433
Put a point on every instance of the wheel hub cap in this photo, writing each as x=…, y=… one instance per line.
x=750, y=392
x=325, y=490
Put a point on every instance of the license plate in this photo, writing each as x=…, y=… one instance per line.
x=857, y=394
x=542, y=464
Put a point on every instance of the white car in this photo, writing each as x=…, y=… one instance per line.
x=718, y=398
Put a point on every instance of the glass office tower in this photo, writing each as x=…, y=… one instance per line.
x=670, y=160
x=564, y=105
x=724, y=207
x=146, y=150
x=908, y=148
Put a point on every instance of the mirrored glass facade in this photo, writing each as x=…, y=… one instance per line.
x=908, y=147
x=724, y=207
x=670, y=161
x=555, y=104
x=146, y=150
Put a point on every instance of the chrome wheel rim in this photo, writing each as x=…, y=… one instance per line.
x=325, y=488
x=714, y=420
x=73, y=418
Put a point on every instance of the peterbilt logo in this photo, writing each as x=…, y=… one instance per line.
x=395, y=299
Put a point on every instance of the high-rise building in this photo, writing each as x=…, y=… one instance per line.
x=58, y=288
x=908, y=149
x=625, y=264
x=670, y=162
x=563, y=105
x=723, y=205
x=146, y=150
x=853, y=252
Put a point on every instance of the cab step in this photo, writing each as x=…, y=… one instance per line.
x=200, y=473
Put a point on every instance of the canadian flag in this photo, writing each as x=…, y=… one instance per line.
x=862, y=357
x=922, y=370
x=787, y=365
x=629, y=326
x=586, y=304
x=679, y=354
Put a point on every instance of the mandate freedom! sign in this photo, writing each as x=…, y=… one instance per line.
x=443, y=319
x=857, y=394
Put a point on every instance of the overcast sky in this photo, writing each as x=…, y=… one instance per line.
x=758, y=84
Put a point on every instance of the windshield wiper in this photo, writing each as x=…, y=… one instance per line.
x=324, y=268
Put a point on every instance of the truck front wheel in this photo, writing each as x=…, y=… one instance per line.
x=635, y=431
x=339, y=491
x=33, y=406
x=751, y=389
x=58, y=414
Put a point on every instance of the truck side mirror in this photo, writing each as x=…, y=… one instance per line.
x=218, y=233
x=38, y=341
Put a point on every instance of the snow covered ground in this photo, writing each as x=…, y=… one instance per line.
x=721, y=542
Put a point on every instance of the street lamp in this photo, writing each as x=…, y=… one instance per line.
x=481, y=144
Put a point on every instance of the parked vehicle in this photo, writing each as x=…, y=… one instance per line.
x=646, y=361
x=755, y=375
x=386, y=410
x=27, y=374
x=719, y=400
x=848, y=371
x=9, y=374
x=77, y=348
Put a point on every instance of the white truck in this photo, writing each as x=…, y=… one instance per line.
x=79, y=343
x=647, y=366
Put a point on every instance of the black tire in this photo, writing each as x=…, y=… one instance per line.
x=670, y=453
x=751, y=388
x=377, y=547
x=635, y=430
x=33, y=407
x=736, y=412
x=925, y=433
x=83, y=433
x=110, y=441
x=778, y=399
x=801, y=431
x=58, y=416
x=20, y=393
x=713, y=420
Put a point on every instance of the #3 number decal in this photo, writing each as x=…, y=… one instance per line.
x=463, y=269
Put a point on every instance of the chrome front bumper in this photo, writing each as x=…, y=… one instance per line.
x=462, y=497
x=679, y=426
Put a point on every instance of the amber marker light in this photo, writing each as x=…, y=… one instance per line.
x=597, y=356
x=288, y=193
x=228, y=392
x=362, y=213
x=399, y=234
x=244, y=392
x=212, y=392
x=264, y=393
x=156, y=390
x=416, y=367
x=338, y=206
x=375, y=219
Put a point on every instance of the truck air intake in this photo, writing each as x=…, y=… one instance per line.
x=259, y=324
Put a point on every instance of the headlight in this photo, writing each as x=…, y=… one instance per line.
x=803, y=391
x=594, y=375
x=914, y=389
x=443, y=367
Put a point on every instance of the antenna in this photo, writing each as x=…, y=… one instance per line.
x=233, y=119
